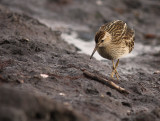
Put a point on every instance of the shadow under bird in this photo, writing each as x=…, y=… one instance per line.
x=113, y=41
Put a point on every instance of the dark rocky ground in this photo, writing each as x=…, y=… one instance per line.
x=29, y=51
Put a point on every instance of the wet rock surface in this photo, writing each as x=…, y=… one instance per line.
x=41, y=75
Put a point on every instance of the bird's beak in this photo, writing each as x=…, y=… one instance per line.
x=94, y=50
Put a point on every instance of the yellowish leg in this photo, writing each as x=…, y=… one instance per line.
x=114, y=71
x=117, y=75
x=112, y=74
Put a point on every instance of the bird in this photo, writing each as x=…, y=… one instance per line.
x=114, y=40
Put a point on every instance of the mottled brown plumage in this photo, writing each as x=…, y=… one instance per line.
x=113, y=41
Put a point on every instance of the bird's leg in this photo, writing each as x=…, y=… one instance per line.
x=117, y=75
x=114, y=71
x=112, y=74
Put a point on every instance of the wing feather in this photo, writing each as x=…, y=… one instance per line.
x=116, y=29
x=129, y=38
x=119, y=32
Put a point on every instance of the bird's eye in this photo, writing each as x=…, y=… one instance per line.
x=102, y=40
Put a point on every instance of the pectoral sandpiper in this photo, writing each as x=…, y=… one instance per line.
x=113, y=41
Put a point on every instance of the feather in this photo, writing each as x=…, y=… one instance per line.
x=120, y=33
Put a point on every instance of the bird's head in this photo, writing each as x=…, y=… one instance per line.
x=102, y=39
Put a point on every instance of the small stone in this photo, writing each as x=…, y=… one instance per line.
x=102, y=95
x=62, y=94
x=20, y=81
x=44, y=76
x=24, y=39
x=128, y=112
x=156, y=72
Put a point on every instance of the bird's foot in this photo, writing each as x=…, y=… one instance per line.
x=116, y=73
